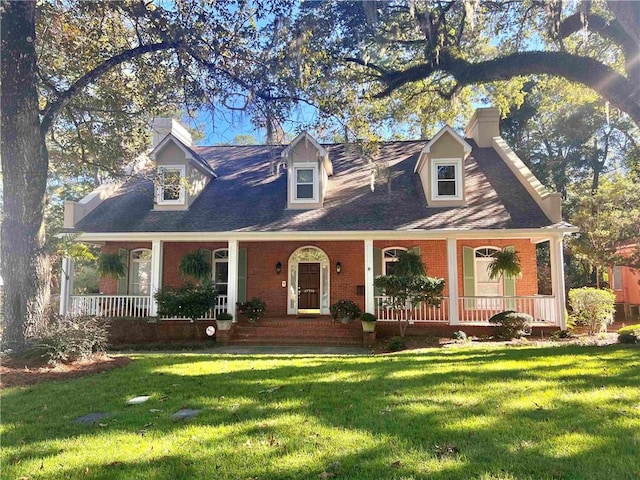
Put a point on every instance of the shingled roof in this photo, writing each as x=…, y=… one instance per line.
x=246, y=197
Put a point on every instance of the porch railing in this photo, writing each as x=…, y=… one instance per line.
x=110, y=305
x=126, y=306
x=478, y=310
x=475, y=310
x=422, y=313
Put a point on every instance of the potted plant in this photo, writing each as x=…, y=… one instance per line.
x=196, y=264
x=345, y=310
x=368, y=322
x=505, y=262
x=111, y=265
x=224, y=321
x=253, y=309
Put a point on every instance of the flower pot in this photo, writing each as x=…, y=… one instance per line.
x=346, y=320
x=224, y=324
x=368, y=326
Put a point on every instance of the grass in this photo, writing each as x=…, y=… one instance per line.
x=483, y=413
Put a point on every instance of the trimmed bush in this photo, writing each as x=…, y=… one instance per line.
x=592, y=307
x=396, y=344
x=66, y=339
x=511, y=325
x=189, y=301
x=345, y=309
x=629, y=334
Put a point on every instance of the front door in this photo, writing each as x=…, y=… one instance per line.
x=309, y=287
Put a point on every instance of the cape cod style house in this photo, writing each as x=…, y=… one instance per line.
x=304, y=225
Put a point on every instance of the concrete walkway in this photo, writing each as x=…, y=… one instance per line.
x=290, y=350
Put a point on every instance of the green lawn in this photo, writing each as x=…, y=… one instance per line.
x=482, y=413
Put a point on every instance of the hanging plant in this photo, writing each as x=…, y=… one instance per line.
x=505, y=262
x=196, y=264
x=111, y=265
x=409, y=264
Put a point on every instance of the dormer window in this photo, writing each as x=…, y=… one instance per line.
x=171, y=189
x=305, y=176
x=446, y=179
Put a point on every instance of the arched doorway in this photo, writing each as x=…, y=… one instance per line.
x=308, y=281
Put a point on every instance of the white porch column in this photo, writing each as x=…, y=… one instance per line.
x=66, y=285
x=452, y=280
x=369, y=299
x=156, y=275
x=232, y=285
x=557, y=280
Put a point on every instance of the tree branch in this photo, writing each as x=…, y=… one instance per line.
x=52, y=109
x=614, y=87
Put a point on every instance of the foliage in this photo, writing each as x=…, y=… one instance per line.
x=253, y=309
x=196, y=264
x=224, y=316
x=368, y=317
x=607, y=218
x=396, y=344
x=345, y=309
x=562, y=334
x=409, y=264
x=111, y=265
x=505, y=262
x=592, y=307
x=629, y=334
x=511, y=324
x=187, y=301
x=459, y=335
x=404, y=293
x=67, y=339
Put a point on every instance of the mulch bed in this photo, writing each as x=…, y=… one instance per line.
x=20, y=372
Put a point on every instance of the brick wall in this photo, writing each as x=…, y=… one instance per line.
x=173, y=253
x=263, y=282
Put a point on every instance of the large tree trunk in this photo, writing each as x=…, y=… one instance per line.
x=25, y=266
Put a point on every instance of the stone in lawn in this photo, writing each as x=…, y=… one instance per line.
x=90, y=418
x=185, y=414
x=138, y=400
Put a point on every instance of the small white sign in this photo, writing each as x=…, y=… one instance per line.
x=211, y=330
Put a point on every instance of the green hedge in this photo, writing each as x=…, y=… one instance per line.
x=629, y=334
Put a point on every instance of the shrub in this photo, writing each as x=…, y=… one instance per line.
x=224, y=316
x=188, y=301
x=344, y=309
x=368, y=317
x=561, y=334
x=253, y=309
x=629, y=334
x=511, y=325
x=66, y=339
x=459, y=335
x=592, y=307
x=396, y=344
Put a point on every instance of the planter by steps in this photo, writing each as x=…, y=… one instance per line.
x=224, y=321
x=368, y=322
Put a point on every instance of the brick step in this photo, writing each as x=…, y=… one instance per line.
x=294, y=341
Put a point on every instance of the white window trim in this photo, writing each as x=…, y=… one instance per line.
x=499, y=281
x=214, y=265
x=386, y=260
x=294, y=182
x=457, y=163
x=134, y=264
x=181, y=200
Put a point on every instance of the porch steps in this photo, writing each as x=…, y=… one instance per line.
x=312, y=331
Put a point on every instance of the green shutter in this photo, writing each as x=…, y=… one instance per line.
x=377, y=267
x=415, y=250
x=242, y=275
x=123, y=283
x=469, y=277
x=509, y=287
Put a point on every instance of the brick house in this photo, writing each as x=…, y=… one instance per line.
x=625, y=283
x=304, y=225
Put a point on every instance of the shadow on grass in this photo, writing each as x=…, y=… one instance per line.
x=502, y=413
